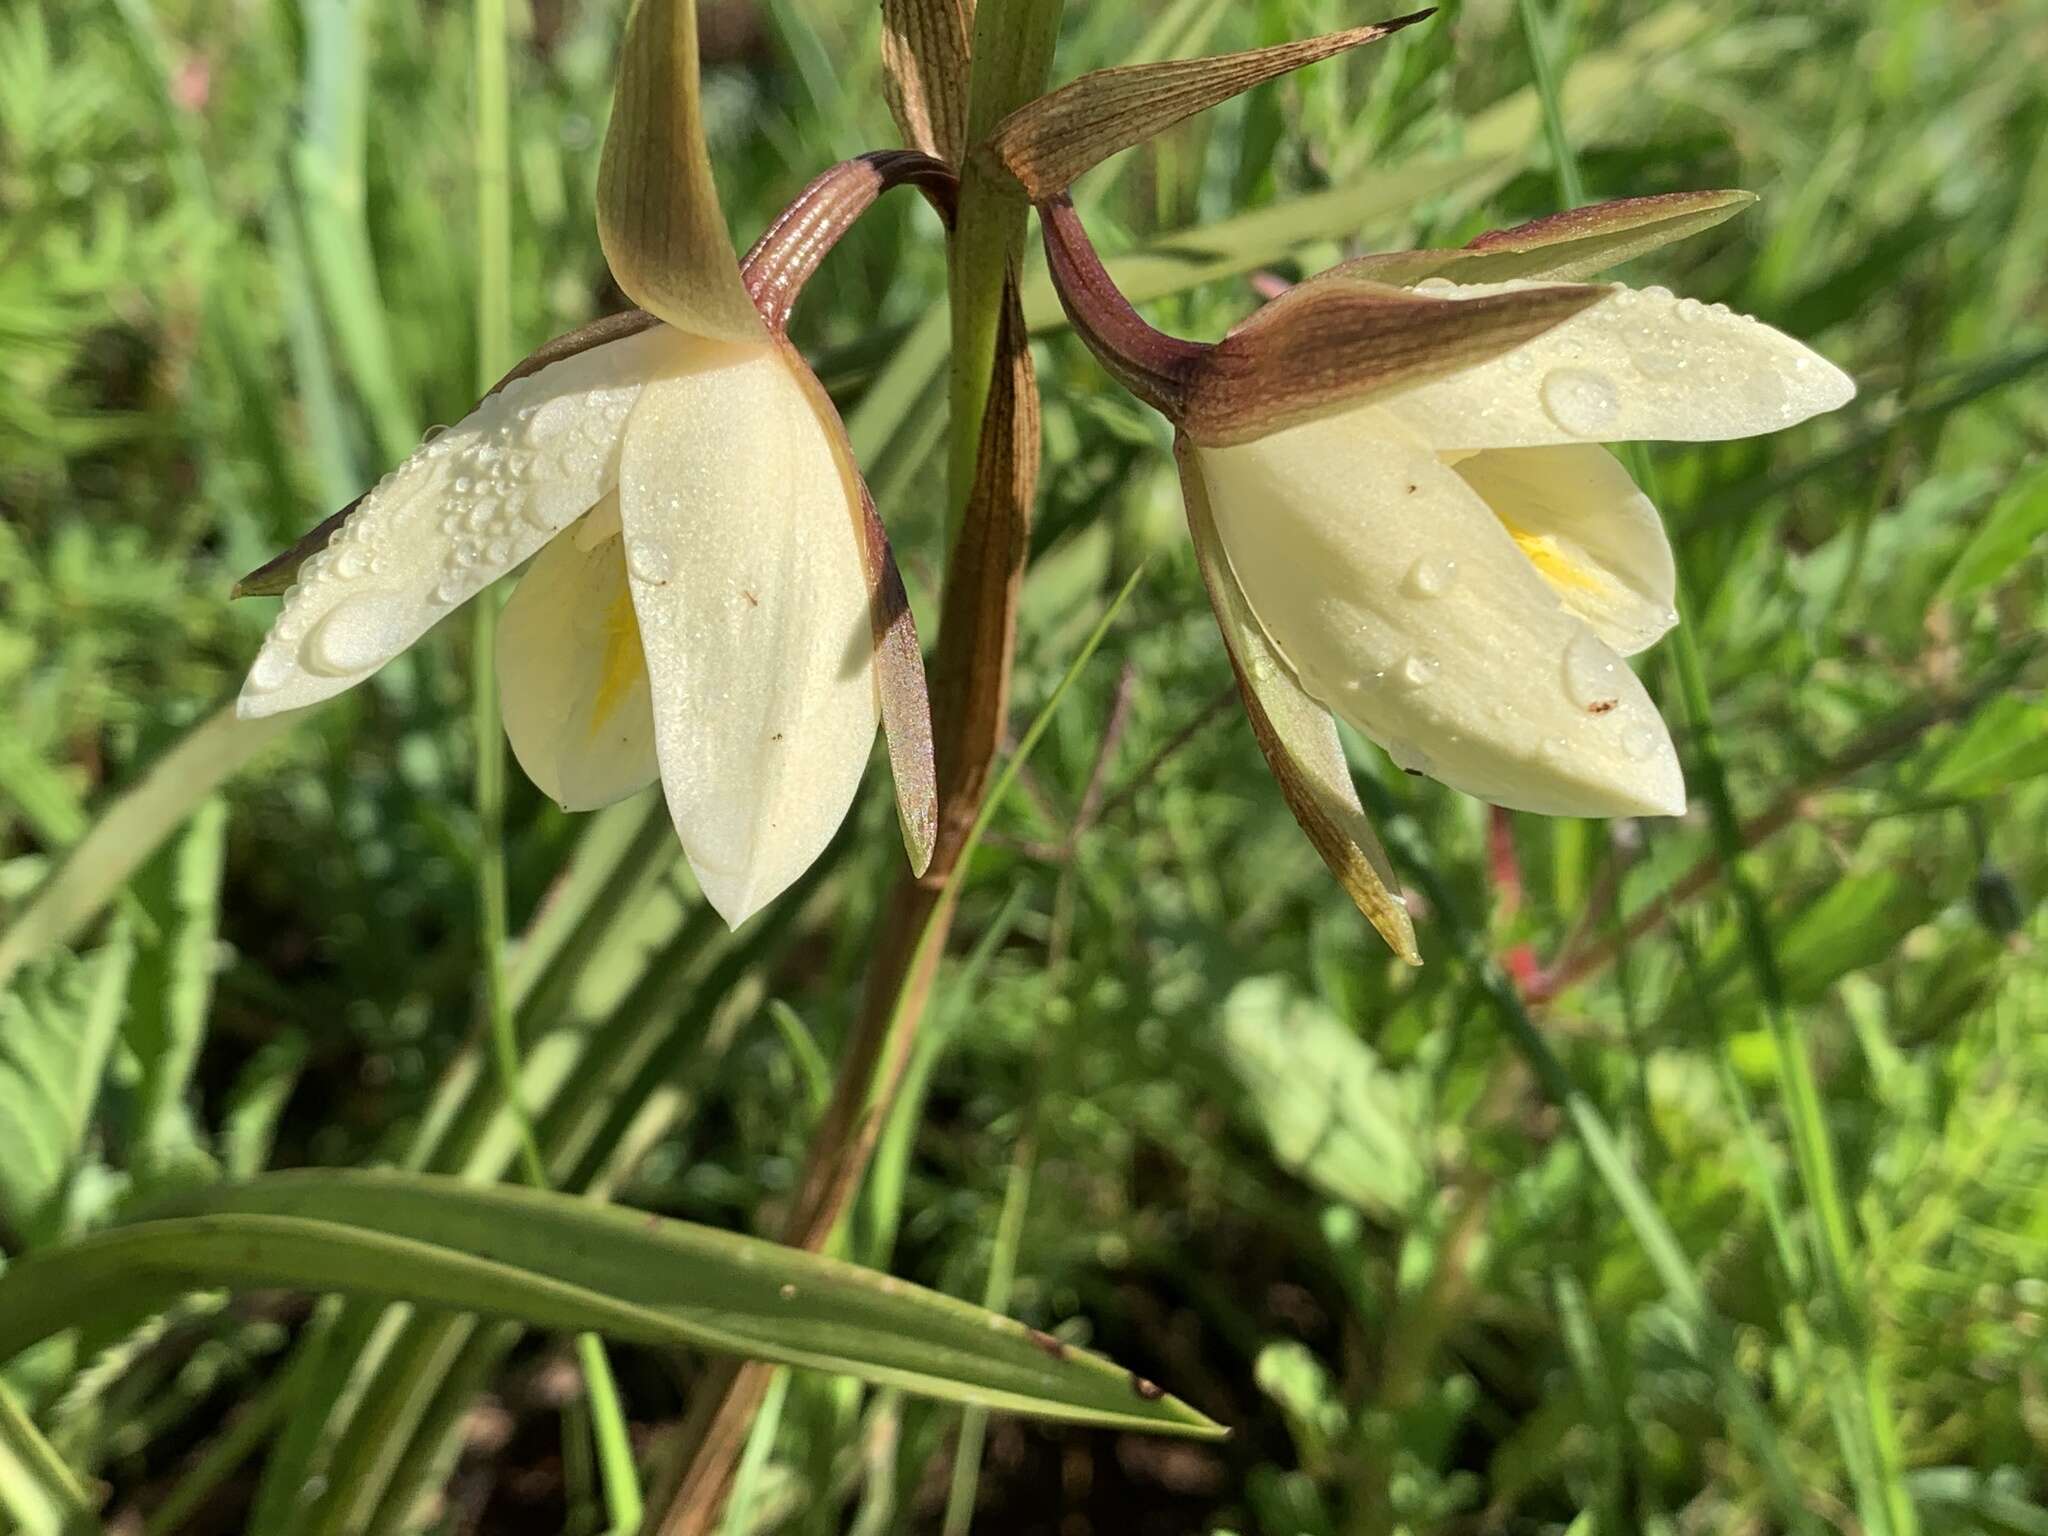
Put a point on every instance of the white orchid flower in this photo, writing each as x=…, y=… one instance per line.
x=711, y=601
x=1458, y=567
x=1404, y=509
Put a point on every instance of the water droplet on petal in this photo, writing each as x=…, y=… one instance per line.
x=358, y=633
x=271, y=669
x=1431, y=578
x=1419, y=670
x=1592, y=673
x=350, y=564
x=1623, y=298
x=550, y=419
x=1638, y=743
x=1435, y=285
x=1654, y=362
x=1579, y=400
x=1690, y=309
x=649, y=562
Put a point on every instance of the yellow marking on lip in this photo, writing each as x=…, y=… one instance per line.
x=623, y=663
x=1553, y=564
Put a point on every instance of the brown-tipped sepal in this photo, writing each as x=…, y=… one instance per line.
x=1046, y=145
x=899, y=660
x=924, y=74
x=1563, y=248
x=658, y=215
x=1335, y=342
x=1297, y=736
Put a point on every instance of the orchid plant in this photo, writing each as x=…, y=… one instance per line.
x=1396, y=480
x=1395, y=476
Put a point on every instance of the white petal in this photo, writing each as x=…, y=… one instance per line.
x=570, y=673
x=1639, y=364
x=745, y=563
x=468, y=506
x=1404, y=606
x=1590, y=534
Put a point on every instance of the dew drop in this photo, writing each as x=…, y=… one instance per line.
x=1655, y=363
x=433, y=432
x=1623, y=298
x=1579, y=400
x=271, y=669
x=1420, y=670
x=450, y=591
x=1553, y=749
x=1431, y=578
x=1638, y=743
x=649, y=562
x=549, y=420
x=1656, y=291
x=1690, y=309
x=464, y=485
x=350, y=564
x=358, y=633
x=1435, y=285
x=1592, y=672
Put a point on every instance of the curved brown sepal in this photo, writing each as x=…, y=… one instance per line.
x=789, y=250
x=1046, y=145
x=1332, y=343
x=1152, y=365
x=276, y=574
x=1564, y=247
x=1297, y=736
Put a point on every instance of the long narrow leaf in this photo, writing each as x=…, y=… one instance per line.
x=560, y=1262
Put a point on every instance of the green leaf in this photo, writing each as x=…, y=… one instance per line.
x=172, y=984
x=133, y=827
x=2002, y=744
x=561, y=1262
x=1333, y=1114
x=57, y=1025
x=2009, y=533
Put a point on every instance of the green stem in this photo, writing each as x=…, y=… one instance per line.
x=58, y=1483
x=624, y=1504
x=1002, y=1271
x=1013, y=48
x=1571, y=188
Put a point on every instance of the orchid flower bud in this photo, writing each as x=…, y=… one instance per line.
x=711, y=600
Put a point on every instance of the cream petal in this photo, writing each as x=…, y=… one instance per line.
x=466, y=507
x=1590, y=534
x=744, y=558
x=570, y=675
x=1639, y=364
x=1404, y=607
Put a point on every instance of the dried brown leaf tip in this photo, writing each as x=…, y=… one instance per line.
x=1051, y=142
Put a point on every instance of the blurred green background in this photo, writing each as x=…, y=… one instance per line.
x=1245, y=1152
